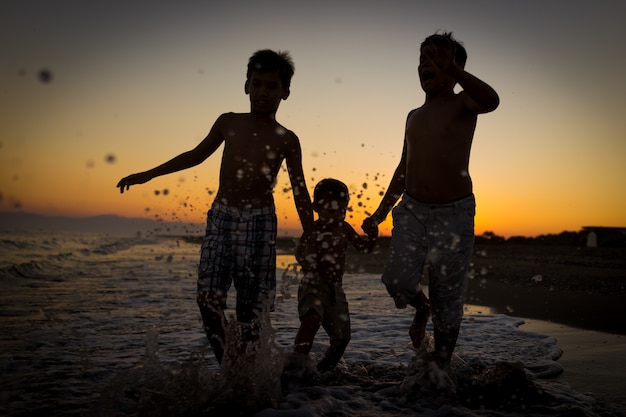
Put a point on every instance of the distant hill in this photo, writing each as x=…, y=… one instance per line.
x=110, y=224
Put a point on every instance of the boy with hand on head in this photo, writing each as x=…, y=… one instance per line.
x=433, y=225
x=322, y=255
x=240, y=240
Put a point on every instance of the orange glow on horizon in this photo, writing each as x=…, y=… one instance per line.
x=549, y=159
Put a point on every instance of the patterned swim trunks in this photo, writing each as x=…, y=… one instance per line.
x=240, y=244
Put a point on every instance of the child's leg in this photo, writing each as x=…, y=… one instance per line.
x=407, y=252
x=417, y=331
x=333, y=354
x=249, y=322
x=454, y=246
x=445, y=342
x=212, y=310
x=309, y=325
x=337, y=325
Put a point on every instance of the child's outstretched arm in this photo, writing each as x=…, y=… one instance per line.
x=183, y=161
x=361, y=243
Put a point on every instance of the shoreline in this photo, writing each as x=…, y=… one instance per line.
x=578, y=309
x=593, y=362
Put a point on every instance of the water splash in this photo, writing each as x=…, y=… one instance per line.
x=251, y=369
x=249, y=379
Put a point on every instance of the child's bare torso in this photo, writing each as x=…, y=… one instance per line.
x=438, y=143
x=254, y=149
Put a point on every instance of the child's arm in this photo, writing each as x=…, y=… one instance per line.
x=298, y=185
x=395, y=189
x=480, y=97
x=183, y=161
x=306, y=252
x=361, y=243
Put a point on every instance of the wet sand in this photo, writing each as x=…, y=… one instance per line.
x=576, y=308
x=594, y=363
x=588, y=327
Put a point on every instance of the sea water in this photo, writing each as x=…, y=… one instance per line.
x=98, y=325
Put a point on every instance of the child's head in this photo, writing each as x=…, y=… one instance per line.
x=331, y=198
x=267, y=60
x=446, y=40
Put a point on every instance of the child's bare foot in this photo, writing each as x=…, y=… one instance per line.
x=417, y=331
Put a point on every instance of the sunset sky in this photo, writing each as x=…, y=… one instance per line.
x=134, y=83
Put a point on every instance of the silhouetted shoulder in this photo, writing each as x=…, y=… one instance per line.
x=289, y=134
x=233, y=116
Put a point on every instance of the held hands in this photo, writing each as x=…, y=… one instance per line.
x=133, y=179
x=370, y=226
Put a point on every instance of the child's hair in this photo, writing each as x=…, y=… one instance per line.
x=330, y=189
x=445, y=39
x=267, y=60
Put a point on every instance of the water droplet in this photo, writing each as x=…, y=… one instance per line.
x=45, y=76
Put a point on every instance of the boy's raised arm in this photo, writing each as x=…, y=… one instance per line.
x=484, y=98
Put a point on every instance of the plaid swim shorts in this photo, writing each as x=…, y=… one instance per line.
x=240, y=244
x=441, y=237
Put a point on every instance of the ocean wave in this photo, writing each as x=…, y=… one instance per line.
x=32, y=269
x=33, y=245
x=120, y=245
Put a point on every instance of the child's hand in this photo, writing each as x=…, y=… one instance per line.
x=126, y=182
x=370, y=226
x=442, y=57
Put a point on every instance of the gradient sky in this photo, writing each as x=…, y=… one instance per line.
x=135, y=83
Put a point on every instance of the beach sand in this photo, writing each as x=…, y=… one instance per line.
x=592, y=361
